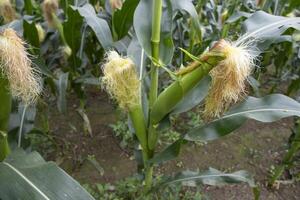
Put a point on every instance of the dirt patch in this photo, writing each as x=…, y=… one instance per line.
x=75, y=145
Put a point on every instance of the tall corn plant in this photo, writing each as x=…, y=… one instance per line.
x=229, y=64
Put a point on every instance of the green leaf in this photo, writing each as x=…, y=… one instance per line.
x=29, y=177
x=193, y=97
x=98, y=25
x=171, y=152
x=62, y=86
x=267, y=109
x=211, y=177
x=31, y=35
x=72, y=34
x=122, y=19
x=237, y=15
x=143, y=26
x=266, y=29
x=72, y=29
x=194, y=58
x=30, y=6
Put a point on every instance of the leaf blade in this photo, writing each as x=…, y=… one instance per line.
x=267, y=109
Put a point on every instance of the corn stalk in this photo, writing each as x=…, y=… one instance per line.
x=155, y=41
x=288, y=158
x=5, y=108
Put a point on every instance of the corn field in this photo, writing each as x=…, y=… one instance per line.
x=149, y=99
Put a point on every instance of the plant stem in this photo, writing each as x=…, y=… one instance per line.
x=287, y=159
x=148, y=178
x=5, y=108
x=58, y=25
x=138, y=121
x=4, y=147
x=155, y=40
x=137, y=117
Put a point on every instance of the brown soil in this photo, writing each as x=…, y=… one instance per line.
x=255, y=147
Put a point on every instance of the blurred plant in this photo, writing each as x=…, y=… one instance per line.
x=7, y=11
x=288, y=160
x=121, y=130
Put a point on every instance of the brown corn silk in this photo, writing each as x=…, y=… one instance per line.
x=49, y=9
x=228, y=78
x=7, y=11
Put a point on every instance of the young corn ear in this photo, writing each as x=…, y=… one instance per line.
x=15, y=66
x=41, y=32
x=228, y=78
x=121, y=81
x=187, y=80
x=49, y=9
x=7, y=11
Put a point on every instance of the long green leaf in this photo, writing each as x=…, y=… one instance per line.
x=31, y=35
x=267, y=109
x=72, y=34
x=212, y=177
x=97, y=24
x=266, y=29
x=72, y=29
x=29, y=177
x=122, y=19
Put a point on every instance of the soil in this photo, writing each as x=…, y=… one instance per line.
x=254, y=147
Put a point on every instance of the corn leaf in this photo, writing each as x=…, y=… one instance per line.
x=211, y=177
x=31, y=35
x=266, y=29
x=169, y=153
x=122, y=19
x=193, y=97
x=97, y=24
x=72, y=34
x=267, y=109
x=29, y=177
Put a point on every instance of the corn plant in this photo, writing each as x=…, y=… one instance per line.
x=228, y=63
